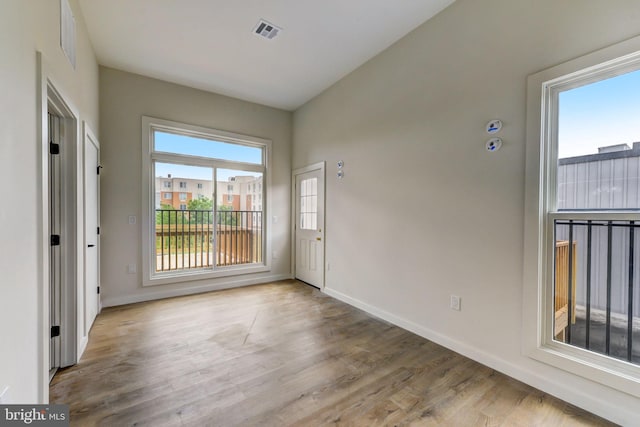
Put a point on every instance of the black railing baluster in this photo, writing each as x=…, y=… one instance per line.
x=260, y=243
x=223, y=242
x=204, y=240
x=227, y=229
x=161, y=242
x=250, y=238
x=570, y=284
x=194, y=236
x=183, y=218
x=246, y=231
x=169, y=244
x=588, y=284
x=218, y=239
x=630, y=293
x=175, y=239
x=608, y=316
x=182, y=237
x=201, y=237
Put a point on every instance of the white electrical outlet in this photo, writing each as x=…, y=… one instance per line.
x=132, y=219
x=132, y=268
x=274, y=255
x=456, y=303
x=328, y=267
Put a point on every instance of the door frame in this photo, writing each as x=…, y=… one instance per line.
x=312, y=167
x=49, y=98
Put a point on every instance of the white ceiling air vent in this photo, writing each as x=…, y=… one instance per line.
x=266, y=29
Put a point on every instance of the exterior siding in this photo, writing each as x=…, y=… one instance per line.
x=604, y=181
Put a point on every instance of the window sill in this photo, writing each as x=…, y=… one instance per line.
x=610, y=372
x=174, y=277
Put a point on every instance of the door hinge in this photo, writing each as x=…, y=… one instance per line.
x=55, y=331
x=98, y=289
x=54, y=148
x=55, y=240
x=98, y=169
x=98, y=230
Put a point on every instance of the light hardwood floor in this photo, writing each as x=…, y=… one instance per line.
x=284, y=354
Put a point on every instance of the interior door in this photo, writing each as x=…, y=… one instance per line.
x=309, y=227
x=91, y=232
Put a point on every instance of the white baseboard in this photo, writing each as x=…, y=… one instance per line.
x=151, y=294
x=560, y=390
x=82, y=346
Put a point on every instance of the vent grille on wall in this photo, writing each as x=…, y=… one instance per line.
x=266, y=29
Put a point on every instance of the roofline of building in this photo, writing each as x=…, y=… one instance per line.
x=612, y=155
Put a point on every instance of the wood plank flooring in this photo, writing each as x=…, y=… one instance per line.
x=284, y=354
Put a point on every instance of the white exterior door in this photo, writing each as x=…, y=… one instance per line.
x=309, y=225
x=92, y=238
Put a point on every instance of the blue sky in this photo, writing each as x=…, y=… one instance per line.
x=206, y=148
x=600, y=114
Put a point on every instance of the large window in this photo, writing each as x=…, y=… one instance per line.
x=212, y=228
x=582, y=235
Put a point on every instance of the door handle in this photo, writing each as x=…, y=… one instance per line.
x=318, y=238
x=90, y=246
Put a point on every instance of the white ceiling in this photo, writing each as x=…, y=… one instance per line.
x=209, y=44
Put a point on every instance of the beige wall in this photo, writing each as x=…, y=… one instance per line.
x=124, y=99
x=27, y=27
x=416, y=113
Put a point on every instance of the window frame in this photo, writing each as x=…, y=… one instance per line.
x=151, y=124
x=540, y=199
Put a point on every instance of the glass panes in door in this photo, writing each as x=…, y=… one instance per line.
x=309, y=204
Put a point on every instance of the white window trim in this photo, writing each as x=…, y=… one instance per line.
x=540, y=188
x=149, y=124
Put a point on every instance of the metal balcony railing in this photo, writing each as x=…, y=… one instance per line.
x=191, y=239
x=597, y=283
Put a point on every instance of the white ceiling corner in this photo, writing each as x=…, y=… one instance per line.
x=210, y=45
